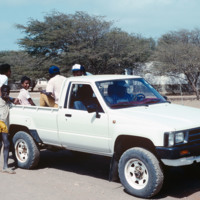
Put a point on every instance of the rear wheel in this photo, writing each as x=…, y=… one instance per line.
x=140, y=173
x=26, y=151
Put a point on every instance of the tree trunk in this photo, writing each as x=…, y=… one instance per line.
x=193, y=84
x=197, y=94
x=195, y=88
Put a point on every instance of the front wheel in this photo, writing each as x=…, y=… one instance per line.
x=140, y=173
x=26, y=151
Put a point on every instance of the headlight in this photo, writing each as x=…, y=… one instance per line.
x=173, y=138
x=179, y=137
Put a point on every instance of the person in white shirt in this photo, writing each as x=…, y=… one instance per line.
x=5, y=73
x=24, y=96
x=5, y=102
x=50, y=96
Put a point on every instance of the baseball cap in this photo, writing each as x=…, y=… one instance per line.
x=54, y=69
x=122, y=83
x=77, y=67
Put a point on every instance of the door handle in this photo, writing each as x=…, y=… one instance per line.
x=68, y=115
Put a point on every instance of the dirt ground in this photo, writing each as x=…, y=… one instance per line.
x=185, y=100
x=64, y=175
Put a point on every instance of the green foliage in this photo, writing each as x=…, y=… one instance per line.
x=24, y=64
x=88, y=40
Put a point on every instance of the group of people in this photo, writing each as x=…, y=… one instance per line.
x=49, y=97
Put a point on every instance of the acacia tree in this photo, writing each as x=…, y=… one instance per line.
x=70, y=38
x=88, y=40
x=121, y=50
x=179, y=53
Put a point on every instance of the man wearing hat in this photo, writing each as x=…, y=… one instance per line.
x=79, y=70
x=50, y=97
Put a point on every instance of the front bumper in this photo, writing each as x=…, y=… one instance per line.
x=181, y=161
x=182, y=155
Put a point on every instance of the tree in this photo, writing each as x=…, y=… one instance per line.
x=121, y=50
x=179, y=53
x=65, y=37
x=24, y=64
x=89, y=40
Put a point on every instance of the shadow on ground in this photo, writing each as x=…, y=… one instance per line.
x=80, y=163
x=180, y=182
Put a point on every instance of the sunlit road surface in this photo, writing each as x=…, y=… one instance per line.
x=65, y=175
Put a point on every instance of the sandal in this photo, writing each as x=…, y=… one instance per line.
x=9, y=171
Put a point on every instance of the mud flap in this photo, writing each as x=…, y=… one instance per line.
x=113, y=174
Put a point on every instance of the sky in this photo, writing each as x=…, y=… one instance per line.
x=149, y=18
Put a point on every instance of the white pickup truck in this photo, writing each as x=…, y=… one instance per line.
x=119, y=116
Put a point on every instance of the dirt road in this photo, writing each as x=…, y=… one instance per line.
x=65, y=176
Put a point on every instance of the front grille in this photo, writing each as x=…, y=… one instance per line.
x=194, y=135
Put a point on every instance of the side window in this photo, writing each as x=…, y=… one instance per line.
x=82, y=96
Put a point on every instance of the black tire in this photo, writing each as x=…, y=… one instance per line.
x=140, y=173
x=26, y=151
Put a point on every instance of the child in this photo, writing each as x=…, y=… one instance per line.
x=5, y=102
x=24, y=96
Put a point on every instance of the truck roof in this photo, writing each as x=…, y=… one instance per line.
x=94, y=78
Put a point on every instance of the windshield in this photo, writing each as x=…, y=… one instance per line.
x=128, y=92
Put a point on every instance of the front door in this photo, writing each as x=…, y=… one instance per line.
x=79, y=129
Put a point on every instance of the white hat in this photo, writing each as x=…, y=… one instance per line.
x=77, y=67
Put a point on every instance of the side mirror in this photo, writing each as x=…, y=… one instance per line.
x=165, y=97
x=93, y=108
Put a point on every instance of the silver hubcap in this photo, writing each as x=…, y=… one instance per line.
x=136, y=174
x=21, y=150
